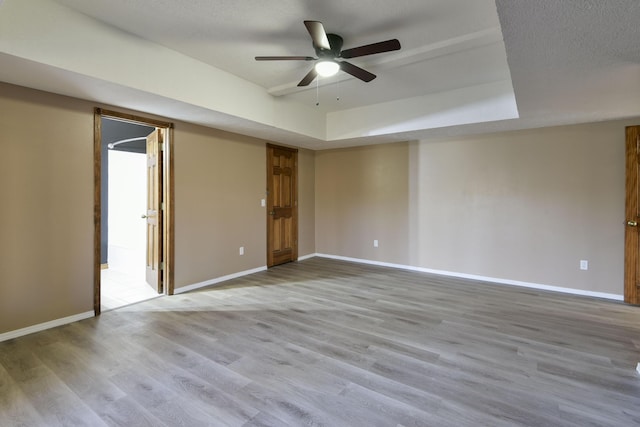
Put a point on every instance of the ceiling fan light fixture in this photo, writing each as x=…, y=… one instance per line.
x=327, y=68
x=328, y=49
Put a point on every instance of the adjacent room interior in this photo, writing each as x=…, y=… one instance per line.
x=123, y=214
x=456, y=237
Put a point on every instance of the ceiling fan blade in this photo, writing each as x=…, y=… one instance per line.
x=371, y=49
x=311, y=75
x=318, y=35
x=357, y=72
x=285, y=58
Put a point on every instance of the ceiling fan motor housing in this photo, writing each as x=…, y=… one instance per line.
x=335, y=41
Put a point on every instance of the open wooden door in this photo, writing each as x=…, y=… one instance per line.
x=282, y=205
x=154, y=210
x=632, y=212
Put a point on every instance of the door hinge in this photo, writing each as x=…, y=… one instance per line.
x=161, y=146
x=162, y=266
x=162, y=206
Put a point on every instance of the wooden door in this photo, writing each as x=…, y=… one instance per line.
x=631, y=237
x=282, y=205
x=154, y=210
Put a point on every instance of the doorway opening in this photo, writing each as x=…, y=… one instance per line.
x=133, y=210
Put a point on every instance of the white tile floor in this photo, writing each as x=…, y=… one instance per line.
x=123, y=283
x=119, y=289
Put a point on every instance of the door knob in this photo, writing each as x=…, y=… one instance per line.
x=143, y=216
x=632, y=223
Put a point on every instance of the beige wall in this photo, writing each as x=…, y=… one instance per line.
x=523, y=206
x=220, y=179
x=362, y=195
x=306, y=202
x=46, y=219
x=46, y=213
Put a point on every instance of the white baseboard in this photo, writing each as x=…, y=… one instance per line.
x=496, y=280
x=81, y=316
x=43, y=326
x=302, y=258
x=210, y=282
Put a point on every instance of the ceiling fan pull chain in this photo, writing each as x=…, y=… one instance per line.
x=317, y=92
x=338, y=89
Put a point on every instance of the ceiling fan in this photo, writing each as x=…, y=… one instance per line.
x=328, y=49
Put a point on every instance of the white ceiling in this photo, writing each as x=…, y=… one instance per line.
x=464, y=67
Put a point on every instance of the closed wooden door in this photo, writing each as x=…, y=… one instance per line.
x=282, y=205
x=631, y=237
x=154, y=210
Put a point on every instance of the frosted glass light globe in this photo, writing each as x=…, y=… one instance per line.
x=327, y=68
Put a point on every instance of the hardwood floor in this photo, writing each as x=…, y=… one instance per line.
x=330, y=343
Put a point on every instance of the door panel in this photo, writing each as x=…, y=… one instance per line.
x=632, y=228
x=282, y=205
x=154, y=212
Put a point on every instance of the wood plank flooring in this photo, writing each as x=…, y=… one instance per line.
x=330, y=343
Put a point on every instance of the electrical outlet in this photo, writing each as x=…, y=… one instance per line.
x=241, y=250
x=263, y=202
x=375, y=243
x=584, y=264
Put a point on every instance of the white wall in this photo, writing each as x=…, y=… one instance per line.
x=127, y=202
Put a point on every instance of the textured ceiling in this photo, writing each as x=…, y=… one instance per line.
x=464, y=67
x=573, y=57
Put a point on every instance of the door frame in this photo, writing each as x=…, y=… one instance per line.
x=632, y=217
x=167, y=196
